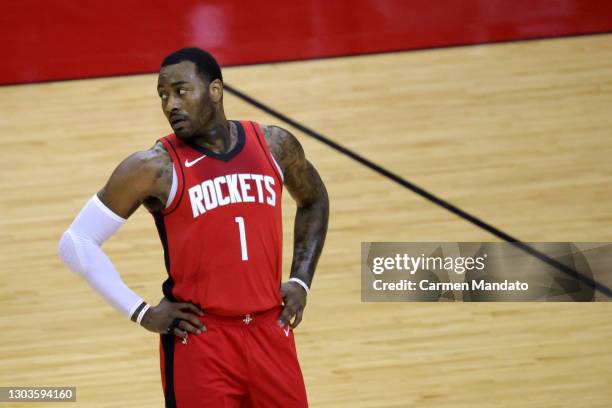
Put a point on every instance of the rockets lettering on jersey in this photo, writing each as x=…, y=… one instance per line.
x=231, y=189
x=222, y=232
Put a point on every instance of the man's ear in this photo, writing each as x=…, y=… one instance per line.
x=215, y=90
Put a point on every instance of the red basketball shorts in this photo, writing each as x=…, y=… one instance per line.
x=246, y=361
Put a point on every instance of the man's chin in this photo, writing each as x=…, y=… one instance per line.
x=183, y=134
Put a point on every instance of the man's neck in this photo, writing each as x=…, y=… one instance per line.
x=220, y=137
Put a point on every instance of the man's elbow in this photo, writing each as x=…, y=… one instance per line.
x=68, y=253
x=323, y=199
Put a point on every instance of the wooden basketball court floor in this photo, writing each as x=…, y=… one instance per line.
x=517, y=134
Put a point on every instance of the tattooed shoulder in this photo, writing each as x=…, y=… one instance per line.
x=160, y=165
x=285, y=147
x=300, y=177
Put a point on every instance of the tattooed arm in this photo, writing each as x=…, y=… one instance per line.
x=307, y=189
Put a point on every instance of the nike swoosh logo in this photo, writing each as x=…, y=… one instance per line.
x=191, y=163
x=286, y=331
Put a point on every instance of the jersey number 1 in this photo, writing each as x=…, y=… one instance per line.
x=243, y=242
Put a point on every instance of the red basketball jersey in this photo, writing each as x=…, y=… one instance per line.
x=222, y=232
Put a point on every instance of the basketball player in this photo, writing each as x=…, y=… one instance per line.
x=214, y=189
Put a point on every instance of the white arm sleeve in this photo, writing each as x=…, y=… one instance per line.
x=80, y=249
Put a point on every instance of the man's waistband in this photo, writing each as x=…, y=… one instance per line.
x=251, y=319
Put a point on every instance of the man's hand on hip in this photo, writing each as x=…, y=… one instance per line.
x=182, y=317
x=294, y=298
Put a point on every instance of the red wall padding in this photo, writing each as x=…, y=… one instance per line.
x=64, y=39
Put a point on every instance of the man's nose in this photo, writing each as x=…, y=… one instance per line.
x=173, y=104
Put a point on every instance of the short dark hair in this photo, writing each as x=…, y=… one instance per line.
x=205, y=63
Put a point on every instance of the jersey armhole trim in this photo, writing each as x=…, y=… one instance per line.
x=173, y=188
x=280, y=171
x=180, y=177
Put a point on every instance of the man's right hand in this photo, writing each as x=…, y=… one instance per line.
x=158, y=318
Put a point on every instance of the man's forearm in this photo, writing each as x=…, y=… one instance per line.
x=80, y=249
x=308, y=239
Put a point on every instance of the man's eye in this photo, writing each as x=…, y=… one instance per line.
x=182, y=91
x=163, y=96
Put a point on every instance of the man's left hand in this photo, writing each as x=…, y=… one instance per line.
x=294, y=297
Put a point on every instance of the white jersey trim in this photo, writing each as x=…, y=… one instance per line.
x=173, y=188
x=277, y=167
